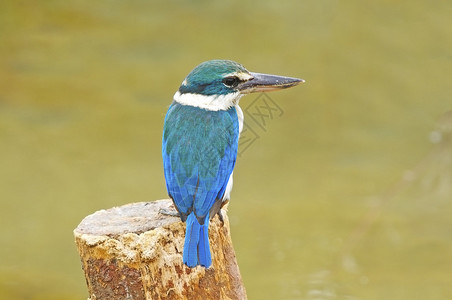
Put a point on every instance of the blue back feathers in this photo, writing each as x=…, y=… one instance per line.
x=199, y=153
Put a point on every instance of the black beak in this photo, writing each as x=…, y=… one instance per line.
x=266, y=83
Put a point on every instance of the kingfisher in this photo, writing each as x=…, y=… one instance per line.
x=200, y=141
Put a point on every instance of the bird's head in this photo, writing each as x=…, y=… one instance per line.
x=219, y=84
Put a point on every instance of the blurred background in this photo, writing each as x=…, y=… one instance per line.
x=344, y=193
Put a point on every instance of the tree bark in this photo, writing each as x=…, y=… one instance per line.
x=135, y=252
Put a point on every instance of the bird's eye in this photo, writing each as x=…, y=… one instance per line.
x=231, y=81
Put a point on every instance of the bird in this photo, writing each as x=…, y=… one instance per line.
x=200, y=142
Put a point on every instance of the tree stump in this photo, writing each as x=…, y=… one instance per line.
x=135, y=252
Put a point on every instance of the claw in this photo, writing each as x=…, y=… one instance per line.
x=220, y=216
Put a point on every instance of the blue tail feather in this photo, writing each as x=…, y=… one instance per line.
x=205, y=258
x=190, y=256
x=196, y=245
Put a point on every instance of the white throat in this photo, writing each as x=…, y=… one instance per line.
x=211, y=102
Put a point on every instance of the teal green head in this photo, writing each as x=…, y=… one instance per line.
x=219, y=84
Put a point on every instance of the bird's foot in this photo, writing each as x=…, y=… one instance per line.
x=220, y=216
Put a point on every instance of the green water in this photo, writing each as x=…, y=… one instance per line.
x=345, y=193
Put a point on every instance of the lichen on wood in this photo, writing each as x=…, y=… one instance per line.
x=135, y=252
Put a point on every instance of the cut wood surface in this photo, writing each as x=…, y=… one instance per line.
x=135, y=252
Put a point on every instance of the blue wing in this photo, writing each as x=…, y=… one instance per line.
x=199, y=153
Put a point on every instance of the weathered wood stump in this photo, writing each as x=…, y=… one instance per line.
x=135, y=252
